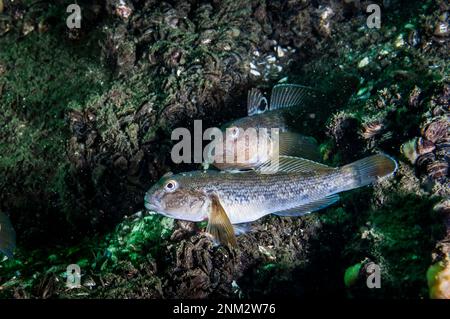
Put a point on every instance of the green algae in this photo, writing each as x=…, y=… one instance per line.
x=351, y=274
x=147, y=234
x=137, y=240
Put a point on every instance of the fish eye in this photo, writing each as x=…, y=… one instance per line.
x=171, y=186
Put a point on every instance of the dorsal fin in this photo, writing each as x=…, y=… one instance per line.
x=288, y=95
x=256, y=102
x=290, y=164
x=309, y=207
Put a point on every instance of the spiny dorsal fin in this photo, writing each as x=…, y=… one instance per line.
x=291, y=164
x=219, y=225
x=288, y=95
x=310, y=207
x=256, y=102
x=294, y=144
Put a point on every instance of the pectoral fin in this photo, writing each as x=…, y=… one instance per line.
x=219, y=225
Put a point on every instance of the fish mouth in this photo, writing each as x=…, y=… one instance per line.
x=156, y=209
x=152, y=207
x=151, y=203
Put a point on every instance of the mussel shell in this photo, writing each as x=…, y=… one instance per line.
x=424, y=160
x=424, y=146
x=437, y=169
x=443, y=150
x=437, y=130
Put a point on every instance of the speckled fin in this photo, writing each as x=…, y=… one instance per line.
x=310, y=207
x=7, y=236
x=294, y=144
x=219, y=225
x=290, y=164
x=256, y=102
x=288, y=95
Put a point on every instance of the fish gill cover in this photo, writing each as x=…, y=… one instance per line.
x=86, y=118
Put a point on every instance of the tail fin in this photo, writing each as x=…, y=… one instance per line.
x=369, y=169
x=7, y=236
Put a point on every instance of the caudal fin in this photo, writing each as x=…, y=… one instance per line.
x=367, y=170
x=7, y=236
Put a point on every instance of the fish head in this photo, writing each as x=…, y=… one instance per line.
x=242, y=148
x=173, y=196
